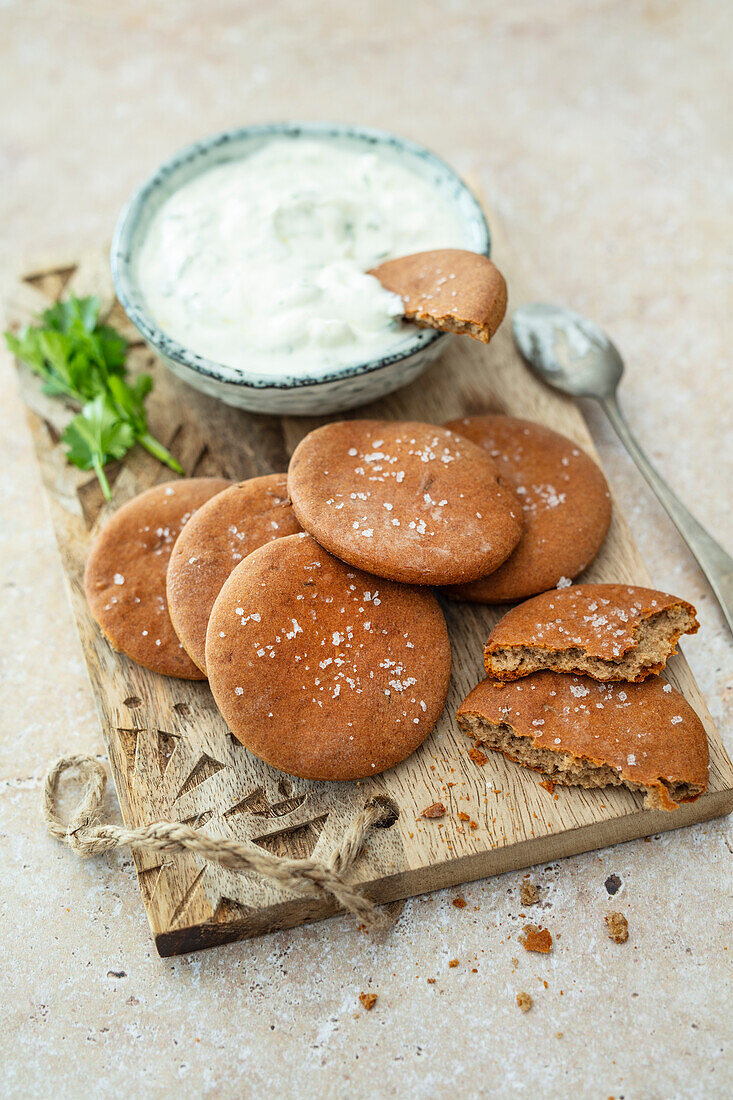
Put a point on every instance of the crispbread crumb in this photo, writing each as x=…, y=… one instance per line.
x=524, y=1001
x=528, y=893
x=536, y=939
x=618, y=927
x=368, y=1000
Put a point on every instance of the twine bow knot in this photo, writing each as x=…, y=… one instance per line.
x=86, y=836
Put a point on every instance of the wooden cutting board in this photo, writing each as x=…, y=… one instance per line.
x=171, y=754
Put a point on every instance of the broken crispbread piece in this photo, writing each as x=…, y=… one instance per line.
x=607, y=631
x=579, y=732
x=449, y=289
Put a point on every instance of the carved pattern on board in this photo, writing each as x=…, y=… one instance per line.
x=204, y=778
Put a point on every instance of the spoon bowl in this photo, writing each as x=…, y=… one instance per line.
x=567, y=351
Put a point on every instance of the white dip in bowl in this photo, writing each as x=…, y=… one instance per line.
x=245, y=261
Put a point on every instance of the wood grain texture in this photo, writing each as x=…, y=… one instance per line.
x=171, y=754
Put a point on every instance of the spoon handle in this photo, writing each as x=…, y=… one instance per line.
x=715, y=563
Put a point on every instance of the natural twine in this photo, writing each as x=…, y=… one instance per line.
x=87, y=837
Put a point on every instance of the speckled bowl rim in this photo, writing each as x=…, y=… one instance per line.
x=131, y=298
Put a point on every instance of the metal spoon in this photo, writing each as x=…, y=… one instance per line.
x=571, y=354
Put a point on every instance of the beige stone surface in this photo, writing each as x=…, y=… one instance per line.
x=600, y=134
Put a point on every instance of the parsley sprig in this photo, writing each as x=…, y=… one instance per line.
x=83, y=360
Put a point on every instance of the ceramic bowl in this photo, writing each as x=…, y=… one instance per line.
x=343, y=387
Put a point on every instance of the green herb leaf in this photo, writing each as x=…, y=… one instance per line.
x=96, y=436
x=129, y=398
x=112, y=348
x=25, y=345
x=74, y=312
x=83, y=360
